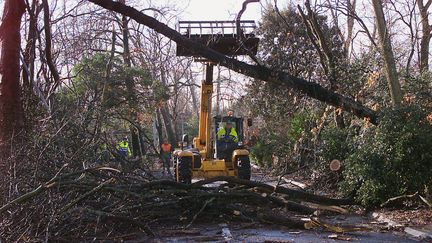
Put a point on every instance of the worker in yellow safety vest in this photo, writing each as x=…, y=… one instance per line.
x=227, y=141
x=227, y=133
x=123, y=149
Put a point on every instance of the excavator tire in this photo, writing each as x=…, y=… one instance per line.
x=184, y=170
x=244, y=167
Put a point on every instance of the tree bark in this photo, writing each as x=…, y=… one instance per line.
x=159, y=131
x=165, y=112
x=351, y=6
x=328, y=60
x=48, y=47
x=387, y=53
x=130, y=85
x=311, y=89
x=11, y=111
x=194, y=97
x=168, y=125
x=426, y=35
x=30, y=53
x=293, y=194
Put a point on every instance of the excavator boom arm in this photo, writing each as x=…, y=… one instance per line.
x=203, y=141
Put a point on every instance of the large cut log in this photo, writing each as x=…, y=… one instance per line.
x=310, y=89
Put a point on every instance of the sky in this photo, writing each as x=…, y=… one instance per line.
x=206, y=9
x=220, y=10
x=217, y=9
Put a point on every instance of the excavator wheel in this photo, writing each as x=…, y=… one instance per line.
x=184, y=170
x=244, y=167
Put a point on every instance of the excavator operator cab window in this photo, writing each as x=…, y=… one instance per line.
x=223, y=124
x=237, y=124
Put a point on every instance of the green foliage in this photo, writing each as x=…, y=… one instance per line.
x=97, y=102
x=160, y=91
x=285, y=45
x=279, y=140
x=261, y=153
x=419, y=89
x=301, y=122
x=191, y=126
x=336, y=144
x=355, y=75
x=395, y=160
x=91, y=82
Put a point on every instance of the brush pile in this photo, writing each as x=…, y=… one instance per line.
x=102, y=202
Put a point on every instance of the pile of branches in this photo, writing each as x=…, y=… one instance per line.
x=102, y=202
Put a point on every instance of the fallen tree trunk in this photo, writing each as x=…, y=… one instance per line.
x=269, y=217
x=294, y=194
x=313, y=90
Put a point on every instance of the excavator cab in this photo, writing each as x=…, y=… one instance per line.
x=205, y=159
x=225, y=145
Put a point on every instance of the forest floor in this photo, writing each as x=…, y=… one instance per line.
x=374, y=228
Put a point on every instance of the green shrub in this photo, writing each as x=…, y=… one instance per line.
x=191, y=126
x=336, y=143
x=280, y=139
x=261, y=154
x=301, y=121
x=395, y=160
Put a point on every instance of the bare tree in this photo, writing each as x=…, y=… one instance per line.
x=130, y=85
x=48, y=46
x=387, y=53
x=156, y=53
x=426, y=34
x=406, y=14
x=351, y=6
x=33, y=11
x=323, y=47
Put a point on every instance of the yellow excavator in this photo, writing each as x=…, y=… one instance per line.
x=211, y=156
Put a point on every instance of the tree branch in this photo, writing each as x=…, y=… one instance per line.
x=313, y=90
x=48, y=46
